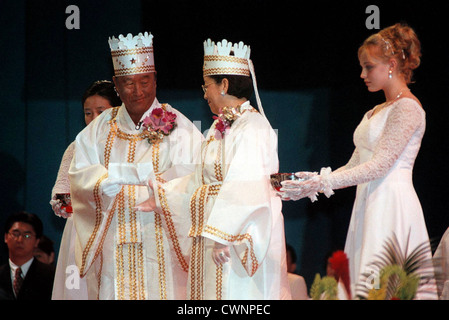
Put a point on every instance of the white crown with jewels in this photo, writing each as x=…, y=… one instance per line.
x=226, y=58
x=132, y=54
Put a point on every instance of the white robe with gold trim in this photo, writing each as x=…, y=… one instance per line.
x=229, y=200
x=122, y=252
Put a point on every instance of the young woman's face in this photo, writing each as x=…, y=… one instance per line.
x=374, y=71
x=94, y=106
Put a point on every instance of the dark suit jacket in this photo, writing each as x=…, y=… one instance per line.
x=37, y=285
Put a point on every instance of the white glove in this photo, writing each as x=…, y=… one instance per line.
x=295, y=190
x=306, y=175
x=56, y=205
x=110, y=187
x=220, y=253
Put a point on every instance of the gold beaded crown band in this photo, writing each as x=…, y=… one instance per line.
x=226, y=58
x=132, y=54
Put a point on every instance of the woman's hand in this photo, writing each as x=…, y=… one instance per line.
x=220, y=253
x=56, y=205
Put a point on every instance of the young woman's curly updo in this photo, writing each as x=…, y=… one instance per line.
x=399, y=42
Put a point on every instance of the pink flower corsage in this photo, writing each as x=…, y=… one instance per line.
x=158, y=124
x=224, y=120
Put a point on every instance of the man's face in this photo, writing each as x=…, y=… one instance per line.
x=21, y=240
x=137, y=91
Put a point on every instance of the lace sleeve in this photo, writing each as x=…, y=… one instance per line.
x=353, y=161
x=403, y=120
x=62, y=184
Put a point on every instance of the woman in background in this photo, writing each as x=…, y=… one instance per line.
x=98, y=97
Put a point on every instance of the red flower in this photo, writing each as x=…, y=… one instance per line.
x=220, y=127
x=159, y=122
x=224, y=120
x=340, y=265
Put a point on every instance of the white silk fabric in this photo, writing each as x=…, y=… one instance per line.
x=229, y=199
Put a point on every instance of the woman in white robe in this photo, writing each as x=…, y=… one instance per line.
x=227, y=212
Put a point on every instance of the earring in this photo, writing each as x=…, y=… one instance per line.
x=116, y=92
x=223, y=93
x=390, y=74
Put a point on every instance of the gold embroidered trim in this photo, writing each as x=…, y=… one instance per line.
x=197, y=269
x=219, y=282
x=158, y=228
x=237, y=238
x=170, y=226
x=226, y=70
x=98, y=275
x=217, y=164
x=160, y=256
x=98, y=218
x=226, y=59
x=129, y=252
x=197, y=204
x=125, y=52
x=126, y=71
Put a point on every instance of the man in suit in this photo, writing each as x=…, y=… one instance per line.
x=23, y=277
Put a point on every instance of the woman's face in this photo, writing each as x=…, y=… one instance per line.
x=94, y=106
x=212, y=94
x=374, y=71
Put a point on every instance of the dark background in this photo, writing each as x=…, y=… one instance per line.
x=305, y=56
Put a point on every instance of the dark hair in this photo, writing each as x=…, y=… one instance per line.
x=46, y=245
x=239, y=86
x=102, y=88
x=25, y=217
x=292, y=251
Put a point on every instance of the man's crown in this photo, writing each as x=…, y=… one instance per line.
x=132, y=55
x=226, y=58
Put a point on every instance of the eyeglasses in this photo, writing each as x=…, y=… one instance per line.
x=16, y=234
x=204, y=86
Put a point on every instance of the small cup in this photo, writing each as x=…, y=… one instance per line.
x=277, y=178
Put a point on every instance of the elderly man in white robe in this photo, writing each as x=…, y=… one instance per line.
x=123, y=252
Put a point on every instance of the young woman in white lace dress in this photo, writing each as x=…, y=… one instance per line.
x=387, y=142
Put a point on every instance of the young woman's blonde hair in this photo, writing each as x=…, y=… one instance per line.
x=399, y=42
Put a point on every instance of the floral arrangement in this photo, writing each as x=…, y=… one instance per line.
x=158, y=124
x=327, y=288
x=401, y=272
x=339, y=264
x=224, y=120
x=395, y=284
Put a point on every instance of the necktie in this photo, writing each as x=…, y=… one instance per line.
x=18, y=280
